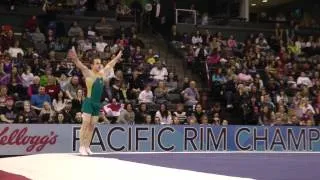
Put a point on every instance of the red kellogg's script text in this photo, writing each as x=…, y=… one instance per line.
x=20, y=137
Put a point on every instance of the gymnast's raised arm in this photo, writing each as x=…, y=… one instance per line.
x=75, y=59
x=112, y=63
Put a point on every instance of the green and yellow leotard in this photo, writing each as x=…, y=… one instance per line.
x=92, y=103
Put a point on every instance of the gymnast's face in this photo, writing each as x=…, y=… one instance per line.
x=96, y=66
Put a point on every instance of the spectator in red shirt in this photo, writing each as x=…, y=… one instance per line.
x=8, y=40
x=32, y=24
x=52, y=89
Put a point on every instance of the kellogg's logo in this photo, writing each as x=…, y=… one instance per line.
x=20, y=137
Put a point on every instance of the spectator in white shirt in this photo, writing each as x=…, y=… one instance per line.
x=146, y=96
x=304, y=80
x=27, y=77
x=85, y=45
x=100, y=45
x=164, y=115
x=159, y=73
x=14, y=51
x=197, y=38
x=261, y=39
x=309, y=42
x=204, y=51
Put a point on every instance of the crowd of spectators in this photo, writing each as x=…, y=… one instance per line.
x=39, y=84
x=263, y=80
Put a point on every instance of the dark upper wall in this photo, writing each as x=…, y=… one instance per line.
x=310, y=8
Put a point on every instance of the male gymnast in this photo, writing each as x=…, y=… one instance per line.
x=94, y=78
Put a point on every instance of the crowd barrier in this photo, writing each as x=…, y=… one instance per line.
x=21, y=139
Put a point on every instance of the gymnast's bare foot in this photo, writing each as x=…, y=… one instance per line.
x=83, y=151
x=88, y=150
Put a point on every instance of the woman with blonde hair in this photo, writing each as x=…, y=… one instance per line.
x=47, y=114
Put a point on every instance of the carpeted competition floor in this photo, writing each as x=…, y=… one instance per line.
x=218, y=166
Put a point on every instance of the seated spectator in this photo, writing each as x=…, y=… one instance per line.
x=135, y=42
x=146, y=96
x=216, y=44
x=204, y=120
x=34, y=87
x=4, y=77
x=78, y=118
x=141, y=114
x=101, y=5
x=159, y=72
x=191, y=94
x=100, y=45
x=201, y=52
x=225, y=122
x=59, y=119
x=150, y=57
x=85, y=45
x=197, y=38
x=122, y=9
x=77, y=101
x=37, y=100
x=192, y=120
x=138, y=56
x=52, y=89
x=127, y=115
x=232, y=42
x=3, y=95
x=261, y=39
x=39, y=40
x=164, y=115
x=122, y=93
x=7, y=38
x=68, y=112
x=32, y=24
x=214, y=57
x=44, y=78
x=16, y=90
x=123, y=41
x=59, y=103
x=47, y=114
x=15, y=50
x=244, y=76
x=230, y=91
x=198, y=113
x=267, y=116
x=172, y=83
x=147, y=120
x=27, y=115
x=103, y=28
x=72, y=87
x=8, y=114
x=180, y=114
x=106, y=54
x=75, y=30
x=161, y=93
x=27, y=77
x=113, y=109
x=304, y=80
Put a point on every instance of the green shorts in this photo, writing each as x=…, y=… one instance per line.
x=90, y=107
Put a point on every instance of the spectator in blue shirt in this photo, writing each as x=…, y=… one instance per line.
x=37, y=100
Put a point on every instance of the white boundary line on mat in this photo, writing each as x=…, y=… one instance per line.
x=216, y=152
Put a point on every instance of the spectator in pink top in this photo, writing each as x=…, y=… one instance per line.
x=231, y=42
x=214, y=58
